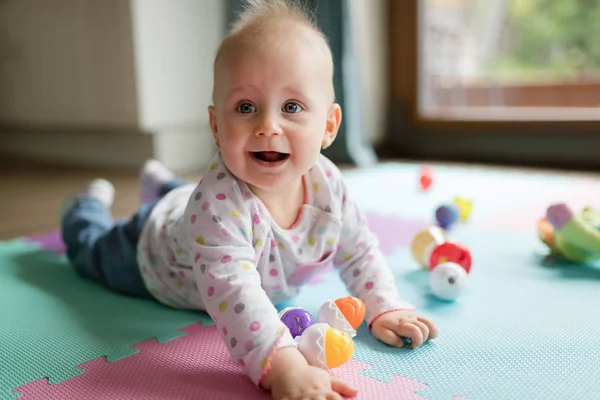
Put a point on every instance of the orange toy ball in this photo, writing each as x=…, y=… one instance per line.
x=353, y=309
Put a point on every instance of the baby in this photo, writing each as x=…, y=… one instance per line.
x=268, y=214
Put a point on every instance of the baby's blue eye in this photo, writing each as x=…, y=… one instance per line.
x=245, y=108
x=292, y=107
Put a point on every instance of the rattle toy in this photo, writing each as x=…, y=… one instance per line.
x=446, y=215
x=325, y=347
x=448, y=281
x=449, y=262
x=326, y=343
x=430, y=248
x=296, y=319
x=464, y=206
x=569, y=235
x=424, y=242
x=345, y=314
x=426, y=179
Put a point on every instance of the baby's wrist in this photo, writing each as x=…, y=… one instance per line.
x=285, y=360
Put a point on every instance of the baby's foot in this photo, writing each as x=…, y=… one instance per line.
x=99, y=189
x=152, y=178
x=558, y=215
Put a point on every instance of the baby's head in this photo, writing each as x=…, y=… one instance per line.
x=274, y=103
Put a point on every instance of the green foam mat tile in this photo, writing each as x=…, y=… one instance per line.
x=52, y=320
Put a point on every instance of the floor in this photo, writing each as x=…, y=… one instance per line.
x=31, y=194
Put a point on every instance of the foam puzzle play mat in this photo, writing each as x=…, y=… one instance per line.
x=513, y=288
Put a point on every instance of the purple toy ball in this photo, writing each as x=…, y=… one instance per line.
x=296, y=319
x=447, y=215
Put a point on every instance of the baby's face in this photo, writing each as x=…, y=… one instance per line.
x=273, y=110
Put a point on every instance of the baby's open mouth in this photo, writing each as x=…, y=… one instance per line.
x=270, y=156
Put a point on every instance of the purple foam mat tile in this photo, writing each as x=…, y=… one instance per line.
x=393, y=231
x=51, y=241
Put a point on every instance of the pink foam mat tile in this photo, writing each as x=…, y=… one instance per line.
x=526, y=216
x=194, y=366
x=399, y=388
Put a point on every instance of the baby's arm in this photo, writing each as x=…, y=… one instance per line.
x=222, y=246
x=362, y=265
x=220, y=232
x=366, y=273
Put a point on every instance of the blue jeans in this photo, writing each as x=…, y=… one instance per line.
x=103, y=250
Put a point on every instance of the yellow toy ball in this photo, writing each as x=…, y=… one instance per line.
x=325, y=347
x=425, y=242
x=465, y=206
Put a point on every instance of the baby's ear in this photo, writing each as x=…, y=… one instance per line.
x=213, y=124
x=334, y=119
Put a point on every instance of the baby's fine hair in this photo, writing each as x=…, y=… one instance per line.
x=254, y=22
x=256, y=12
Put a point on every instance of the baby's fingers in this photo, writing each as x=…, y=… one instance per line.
x=390, y=337
x=411, y=331
x=424, y=330
x=341, y=387
x=433, y=330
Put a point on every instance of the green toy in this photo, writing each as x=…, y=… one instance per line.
x=570, y=236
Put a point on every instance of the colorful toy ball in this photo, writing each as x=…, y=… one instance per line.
x=296, y=319
x=425, y=242
x=325, y=347
x=345, y=314
x=464, y=208
x=426, y=178
x=448, y=281
x=451, y=252
x=446, y=215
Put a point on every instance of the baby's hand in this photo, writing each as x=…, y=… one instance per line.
x=308, y=383
x=390, y=326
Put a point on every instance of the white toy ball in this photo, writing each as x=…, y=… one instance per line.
x=448, y=281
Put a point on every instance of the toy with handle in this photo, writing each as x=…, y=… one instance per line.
x=569, y=235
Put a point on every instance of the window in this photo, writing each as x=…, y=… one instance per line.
x=500, y=81
x=510, y=59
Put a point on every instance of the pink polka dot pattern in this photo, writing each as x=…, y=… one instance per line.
x=248, y=345
x=196, y=257
x=211, y=291
x=226, y=259
x=193, y=218
x=254, y=326
x=273, y=272
x=205, y=206
x=221, y=196
x=256, y=219
x=369, y=285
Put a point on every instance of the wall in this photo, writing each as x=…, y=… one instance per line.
x=108, y=82
x=114, y=82
x=370, y=34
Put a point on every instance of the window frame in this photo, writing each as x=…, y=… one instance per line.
x=562, y=143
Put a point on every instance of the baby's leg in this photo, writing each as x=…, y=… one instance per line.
x=100, y=249
x=156, y=180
